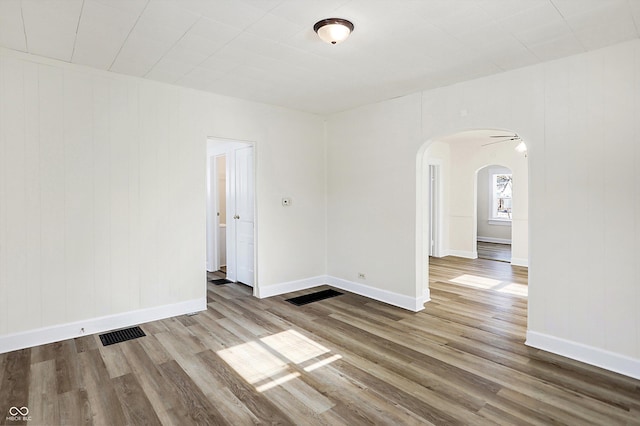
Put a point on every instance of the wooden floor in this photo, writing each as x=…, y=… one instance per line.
x=346, y=360
x=493, y=251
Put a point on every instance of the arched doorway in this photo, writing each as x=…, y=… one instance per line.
x=458, y=157
x=494, y=212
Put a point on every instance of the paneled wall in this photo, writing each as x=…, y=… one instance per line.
x=99, y=191
x=579, y=117
x=103, y=189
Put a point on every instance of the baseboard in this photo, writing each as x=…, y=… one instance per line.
x=588, y=354
x=395, y=299
x=493, y=240
x=518, y=261
x=463, y=253
x=56, y=333
x=290, y=286
x=426, y=297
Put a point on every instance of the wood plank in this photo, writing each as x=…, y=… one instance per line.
x=75, y=408
x=68, y=377
x=153, y=383
x=43, y=398
x=135, y=404
x=14, y=390
x=198, y=408
x=105, y=406
x=262, y=408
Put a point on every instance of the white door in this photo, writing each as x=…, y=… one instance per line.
x=244, y=216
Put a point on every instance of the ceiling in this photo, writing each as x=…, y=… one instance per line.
x=266, y=50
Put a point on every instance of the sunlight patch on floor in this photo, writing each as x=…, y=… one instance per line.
x=268, y=362
x=294, y=346
x=485, y=283
x=515, y=289
x=476, y=281
x=277, y=382
x=253, y=361
x=323, y=362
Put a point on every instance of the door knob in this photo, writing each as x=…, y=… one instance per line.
x=236, y=217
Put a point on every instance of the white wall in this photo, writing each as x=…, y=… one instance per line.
x=579, y=117
x=486, y=230
x=466, y=159
x=103, y=188
x=371, y=183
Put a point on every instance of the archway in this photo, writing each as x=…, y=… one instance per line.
x=459, y=156
x=494, y=212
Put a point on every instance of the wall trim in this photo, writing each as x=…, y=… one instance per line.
x=395, y=299
x=391, y=298
x=56, y=333
x=584, y=353
x=463, y=253
x=290, y=286
x=493, y=240
x=520, y=261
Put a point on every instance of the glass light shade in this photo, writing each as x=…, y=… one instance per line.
x=521, y=147
x=333, y=30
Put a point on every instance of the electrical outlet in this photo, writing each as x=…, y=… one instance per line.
x=362, y=276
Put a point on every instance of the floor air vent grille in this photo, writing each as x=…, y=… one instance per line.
x=313, y=297
x=121, y=335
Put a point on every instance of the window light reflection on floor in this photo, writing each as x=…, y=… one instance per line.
x=267, y=362
x=492, y=284
x=515, y=289
x=475, y=281
x=294, y=346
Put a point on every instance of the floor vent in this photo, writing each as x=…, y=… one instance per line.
x=220, y=281
x=313, y=297
x=121, y=335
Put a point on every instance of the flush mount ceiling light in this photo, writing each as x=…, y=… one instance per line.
x=333, y=30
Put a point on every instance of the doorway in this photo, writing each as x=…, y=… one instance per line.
x=230, y=212
x=434, y=197
x=494, y=186
x=446, y=178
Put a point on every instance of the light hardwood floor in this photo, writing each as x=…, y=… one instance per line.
x=493, y=251
x=346, y=360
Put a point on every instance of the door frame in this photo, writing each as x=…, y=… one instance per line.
x=218, y=146
x=490, y=168
x=434, y=200
x=212, y=223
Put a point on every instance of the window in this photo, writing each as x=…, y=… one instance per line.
x=501, y=187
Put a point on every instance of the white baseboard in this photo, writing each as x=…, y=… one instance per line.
x=426, y=297
x=588, y=354
x=291, y=286
x=463, y=253
x=493, y=240
x=385, y=296
x=56, y=333
x=517, y=261
x=395, y=299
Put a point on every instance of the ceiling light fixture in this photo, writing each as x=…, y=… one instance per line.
x=522, y=148
x=333, y=30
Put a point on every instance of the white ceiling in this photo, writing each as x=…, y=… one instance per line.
x=266, y=50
